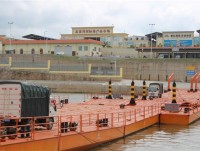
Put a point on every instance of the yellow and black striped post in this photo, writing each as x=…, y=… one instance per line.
x=132, y=101
x=109, y=91
x=144, y=91
x=174, y=92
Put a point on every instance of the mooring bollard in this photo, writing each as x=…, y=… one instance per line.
x=109, y=90
x=132, y=101
x=144, y=93
x=174, y=92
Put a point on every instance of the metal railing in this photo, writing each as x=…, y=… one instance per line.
x=30, y=64
x=104, y=71
x=31, y=129
x=63, y=67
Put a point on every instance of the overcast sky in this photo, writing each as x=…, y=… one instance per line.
x=130, y=16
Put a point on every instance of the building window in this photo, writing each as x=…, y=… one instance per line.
x=137, y=38
x=79, y=48
x=95, y=49
x=85, y=48
x=114, y=40
x=41, y=51
x=120, y=41
x=21, y=51
x=103, y=39
x=109, y=42
x=33, y=51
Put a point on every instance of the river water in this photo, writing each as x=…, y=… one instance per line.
x=154, y=138
x=159, y=138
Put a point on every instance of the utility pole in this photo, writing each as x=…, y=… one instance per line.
x=45, y=41
x=151, y=39
x=142, y=50
x=10, y=23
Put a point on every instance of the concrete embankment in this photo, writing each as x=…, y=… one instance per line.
x=133, y=68
x=123, y=87
x=87, y=87
x=136, y=69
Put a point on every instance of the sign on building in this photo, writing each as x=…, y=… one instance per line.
x=175, y=49
x=190, y=70
x=92, y=31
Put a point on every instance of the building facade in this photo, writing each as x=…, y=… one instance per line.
x=171, y=44
x=89, y=41
x=78, y=47
x=178, y=39
x=137, y=41
x=172, y=39
x=104, y=34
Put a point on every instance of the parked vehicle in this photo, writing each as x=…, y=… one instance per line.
x=163, y=56
x=155, y=90
x=60, y=53
x=18, y=101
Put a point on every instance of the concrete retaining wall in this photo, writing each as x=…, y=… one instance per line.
x=136, y=69
x=120, y=52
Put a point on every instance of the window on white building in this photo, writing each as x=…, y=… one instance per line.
x=33, y=51
x=21, y=51
x=109, y=42
x=115, y=40
x=85, y=48
x=79, y=48
x=103, y=39
x=120, y=41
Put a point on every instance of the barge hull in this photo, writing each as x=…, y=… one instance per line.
x=82, y=141
x=179, y=119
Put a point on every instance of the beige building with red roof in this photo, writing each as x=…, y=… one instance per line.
x=72, y=47
x=1, y=39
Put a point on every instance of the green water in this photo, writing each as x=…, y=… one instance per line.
x=159, y=138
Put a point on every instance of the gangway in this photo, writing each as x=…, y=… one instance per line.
x=171, y=77
x=192, y=80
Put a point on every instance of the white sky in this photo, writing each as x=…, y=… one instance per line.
x=129, y=16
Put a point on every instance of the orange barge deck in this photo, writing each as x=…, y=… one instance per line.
x=117, y=122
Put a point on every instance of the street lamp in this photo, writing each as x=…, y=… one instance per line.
x=151, y=38
x=97, y=31
x=142, y=50
x=115, y=68
x=10, y=23
x=46, y=41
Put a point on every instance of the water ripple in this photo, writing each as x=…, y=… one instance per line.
x=159, y=138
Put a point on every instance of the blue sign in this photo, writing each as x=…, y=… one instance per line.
x=196, y=40
x=190, y=72
x=185, y=43
x=177, y=43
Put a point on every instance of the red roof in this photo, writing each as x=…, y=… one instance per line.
x=70, y=41
x=1, y=38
